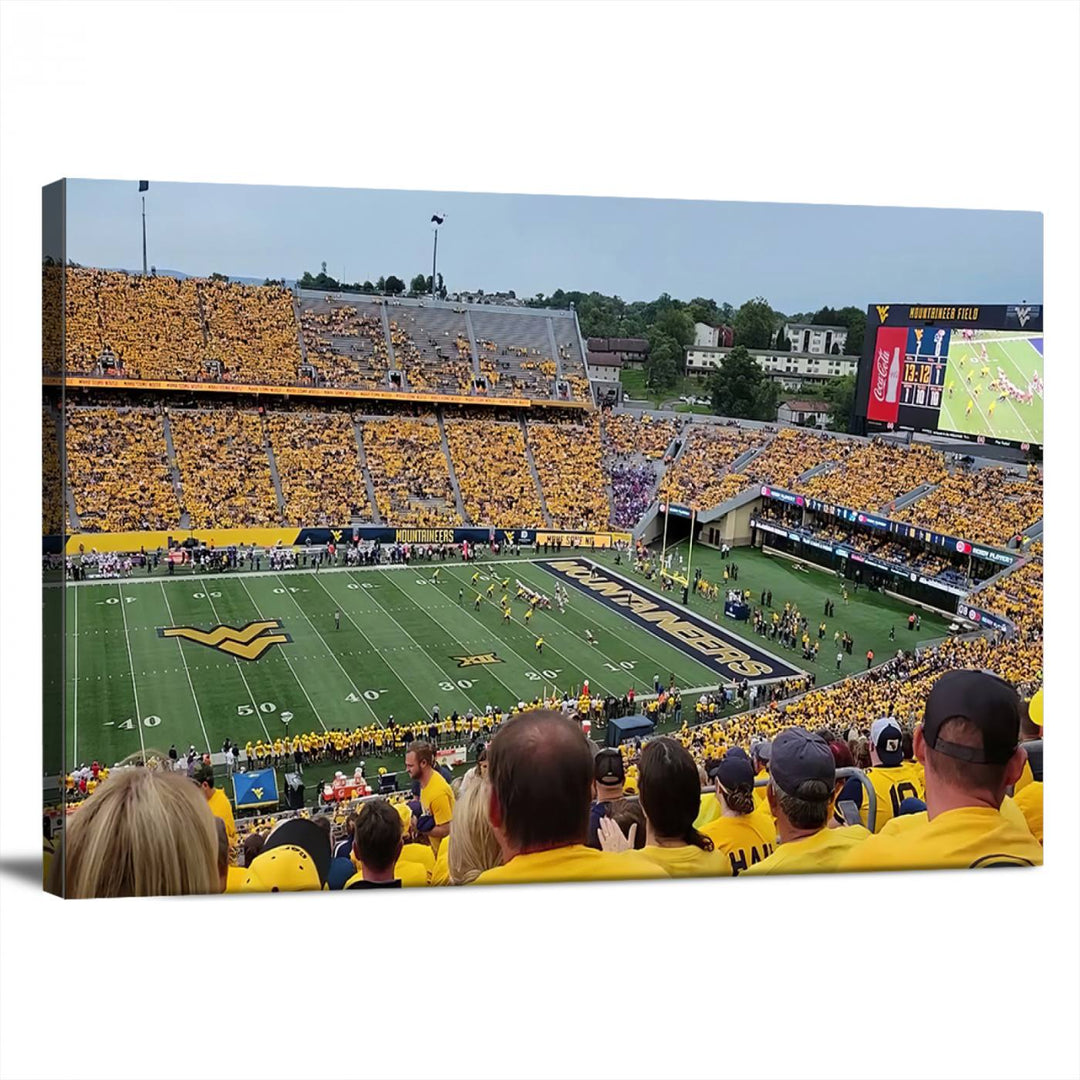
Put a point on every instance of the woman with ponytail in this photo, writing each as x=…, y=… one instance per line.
x=670, y=793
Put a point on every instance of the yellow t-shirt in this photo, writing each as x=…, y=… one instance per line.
x=576, y=862
x=222, y=808
x=971, y=836
x=440, y=873
x=421, y=854
x=821, y=852
x=1030, y=802
x=1026, y=777
x=412, y=874
x=710, y=811
x=892, y=784
x=233, y=881
x=437, y=799
x=744, y=841
x=687, y=861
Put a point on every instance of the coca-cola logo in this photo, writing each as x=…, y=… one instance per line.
x=881, y=373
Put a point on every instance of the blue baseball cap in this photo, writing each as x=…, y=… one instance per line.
x=799, y=755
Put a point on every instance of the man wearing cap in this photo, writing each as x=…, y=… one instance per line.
x=893, y=778
x=969, y=743
x=802, y=781
x=436, y=796
x=610, y=778
x=541, y=773
x=294, y=858
x=744, y=837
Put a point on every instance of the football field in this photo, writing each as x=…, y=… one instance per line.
x=193, y=660
x=1020, y=358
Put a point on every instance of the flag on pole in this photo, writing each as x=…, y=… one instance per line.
x=144, y=185
x=438, y=218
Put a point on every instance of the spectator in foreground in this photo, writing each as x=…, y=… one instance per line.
x=436, y=798
x=217, y=799
x=295, y=857
x=742, y=835
x=802, y=782
x=541, y=772
x=144, y=833
x=670, y=798
x=473, y=846
x=969, y=743
x=377, y=843
x=610, y=779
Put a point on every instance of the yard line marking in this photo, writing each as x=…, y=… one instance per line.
x=198, y=711
x=635, y=648
x=564, y=657
x=498, y=640
x=236, y=661
x=428, y=655
x=303, y=690
x=131, y=664
x=329, y=650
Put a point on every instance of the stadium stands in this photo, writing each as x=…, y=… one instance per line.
x=567, y=457
x=53, y=510
x=696, y=478
x=252, y=331
x=410, y=471
x=496, y=485
x=319, y=467
x=149, y=327
x=224, y=468
x=431, y=345
x=345, y=344
x=874, y=474
x=959, y=505
x=118, y=470
x=1017, y=595
x=515, y=354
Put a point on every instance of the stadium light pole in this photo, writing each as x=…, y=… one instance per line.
x=144, y=186
x=438, y=219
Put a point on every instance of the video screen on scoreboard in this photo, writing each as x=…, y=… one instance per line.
x=979, y=384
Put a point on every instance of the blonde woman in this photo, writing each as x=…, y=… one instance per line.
x=473, y=846
x=143, y=833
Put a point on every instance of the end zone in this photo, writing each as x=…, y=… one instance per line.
x=731, y=656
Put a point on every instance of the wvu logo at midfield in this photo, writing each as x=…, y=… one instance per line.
x=883, y=311
x=483, y=658
x=247, y=642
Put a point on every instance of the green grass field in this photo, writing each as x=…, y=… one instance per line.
x=129, y=688
x=990, y=416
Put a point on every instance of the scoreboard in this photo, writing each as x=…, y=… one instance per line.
x=905, y=381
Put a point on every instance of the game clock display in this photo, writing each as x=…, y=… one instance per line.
x=982, y=382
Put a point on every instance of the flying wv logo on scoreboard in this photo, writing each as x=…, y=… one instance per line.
x=246, y=642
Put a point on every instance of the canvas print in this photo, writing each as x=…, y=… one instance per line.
x=428, y=539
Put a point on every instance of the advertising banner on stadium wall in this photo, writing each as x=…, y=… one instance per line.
x=897, y=570
x=278, y=537
x=985, y=618
x=900, y=528
x=884, y=402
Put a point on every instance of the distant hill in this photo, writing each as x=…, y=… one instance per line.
x=180, y=275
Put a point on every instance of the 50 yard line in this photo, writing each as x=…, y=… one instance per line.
x=183, y=658
x=131, y=664
x=236, y=660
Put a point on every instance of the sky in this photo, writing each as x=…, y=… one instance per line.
x=800, y=257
